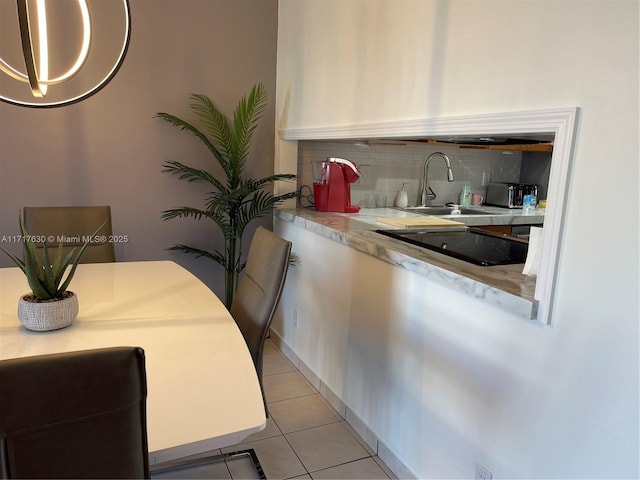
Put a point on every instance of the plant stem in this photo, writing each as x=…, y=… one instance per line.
x=230, y=273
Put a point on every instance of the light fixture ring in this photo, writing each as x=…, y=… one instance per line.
x=39, y=81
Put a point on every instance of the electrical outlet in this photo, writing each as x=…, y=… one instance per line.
x=295, y=317
x=486, y=178
x=482, y=472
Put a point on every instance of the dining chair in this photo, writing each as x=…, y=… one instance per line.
x=73, y=225
x=253, y=306
x=74, y=415
x=259, y=291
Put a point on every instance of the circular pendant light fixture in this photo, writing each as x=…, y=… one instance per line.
x=67, y=50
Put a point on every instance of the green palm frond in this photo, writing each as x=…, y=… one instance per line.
x=262, y=182
x=234, y=201
x=245, y=121
x=190, y=174
x=183, y=125
x=216, y=125
x=184, y=212
x=215, y=256
x=262, y=203
x=224, y=223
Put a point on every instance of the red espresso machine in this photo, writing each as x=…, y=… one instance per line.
x=332, y=181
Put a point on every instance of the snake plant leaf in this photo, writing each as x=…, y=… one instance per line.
x=57, y=262
x=17, y=260
x=45, y=277
x=33, y=267
x=62, y=268
x=48, y=281
x=76, y=259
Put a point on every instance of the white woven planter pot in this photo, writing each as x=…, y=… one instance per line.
x=48, y=315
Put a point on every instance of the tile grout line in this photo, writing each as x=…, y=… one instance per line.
x=340, y=420
x=297, y=456
x=292, y=449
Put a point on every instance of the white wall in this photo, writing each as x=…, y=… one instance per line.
x=365, y=61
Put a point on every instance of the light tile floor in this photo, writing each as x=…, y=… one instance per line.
x=304, y=438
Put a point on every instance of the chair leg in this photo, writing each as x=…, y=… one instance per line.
x=196, y=462
x=264, y=398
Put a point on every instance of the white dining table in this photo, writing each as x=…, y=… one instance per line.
x=203, y=390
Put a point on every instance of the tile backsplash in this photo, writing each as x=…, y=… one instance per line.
x=385, y=167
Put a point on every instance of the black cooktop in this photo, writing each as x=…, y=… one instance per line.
x=474, y=246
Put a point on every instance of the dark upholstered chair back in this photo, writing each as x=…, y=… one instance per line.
x=72, y=224
x=259, y=290
x=74, y=415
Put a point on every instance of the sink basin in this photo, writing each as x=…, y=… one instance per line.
x=442, y=210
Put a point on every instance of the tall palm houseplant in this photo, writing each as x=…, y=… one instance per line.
x=234, y=201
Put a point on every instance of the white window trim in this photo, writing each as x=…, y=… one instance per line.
x=561, y=122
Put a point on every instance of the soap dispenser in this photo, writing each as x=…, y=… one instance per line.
x=401, y=198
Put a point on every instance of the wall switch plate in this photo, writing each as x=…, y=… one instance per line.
x=482, y=472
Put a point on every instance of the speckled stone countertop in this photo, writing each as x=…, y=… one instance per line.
x=489, y=216
x=501, y=285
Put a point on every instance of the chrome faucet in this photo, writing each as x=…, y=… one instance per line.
x=425, y=197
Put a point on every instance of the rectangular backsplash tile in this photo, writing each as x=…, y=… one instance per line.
x=385, y=168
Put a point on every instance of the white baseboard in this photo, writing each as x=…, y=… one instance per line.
x=359, y=426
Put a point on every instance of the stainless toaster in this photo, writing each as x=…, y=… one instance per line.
x=508, y=195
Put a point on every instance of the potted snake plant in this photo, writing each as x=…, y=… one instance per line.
x=234, y=200
x=50, y=305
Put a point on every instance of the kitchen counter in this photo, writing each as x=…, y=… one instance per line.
x=501, y=285
x=494, y=216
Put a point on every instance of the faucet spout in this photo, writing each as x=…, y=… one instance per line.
x=427, y=195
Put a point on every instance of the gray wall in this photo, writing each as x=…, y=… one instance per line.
x=109, y=149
